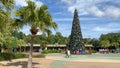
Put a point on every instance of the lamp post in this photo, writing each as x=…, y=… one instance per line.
x=14, y=49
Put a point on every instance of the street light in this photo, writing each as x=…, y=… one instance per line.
x=14, y=49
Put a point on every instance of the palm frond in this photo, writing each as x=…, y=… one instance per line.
x=8, y=3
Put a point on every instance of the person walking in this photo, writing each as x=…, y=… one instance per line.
x=40, y=50
x=68, y=53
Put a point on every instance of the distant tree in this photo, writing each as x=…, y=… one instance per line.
x=2, y=41
x=116, y=44
x=20, y=43
x=51, y=39
x=105, y=43
x=44, y=44
x=60, y=39
x=87, y=40
x=95, y=42
x=113, y=38
x=9, y=43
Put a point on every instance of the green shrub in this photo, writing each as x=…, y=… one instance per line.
x=51, y=51
x=7, y=56
x=20, y=55
x=1, y=58
x=94, y=51
x=10, y=56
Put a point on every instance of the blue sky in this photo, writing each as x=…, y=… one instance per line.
x=96, y=16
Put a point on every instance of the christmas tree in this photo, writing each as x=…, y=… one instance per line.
x=76, y=40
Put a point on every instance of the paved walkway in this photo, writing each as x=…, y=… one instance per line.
x=85, y=61
x=75, y=61
x=22, y=63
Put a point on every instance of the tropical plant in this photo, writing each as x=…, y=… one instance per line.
x=105, y=43
x=38, y=18
x=20, y=43
x=2, y=40
x=7, y=3
x=112, y=38
x=5, y=19
x=44, y=44
x=5, y=14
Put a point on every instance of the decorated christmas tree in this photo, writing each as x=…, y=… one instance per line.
x=76, y=40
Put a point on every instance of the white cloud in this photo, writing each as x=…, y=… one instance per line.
x=72, y=8
x=23, y=2
x=110, y=27
x=109, y=11
x=112, y=12
x=39, y=33
x=81, y=5
x=99, y=29
x=95, y=11
x=91, y=7
x=96, y=29
x=38, y=3
x=25, y=29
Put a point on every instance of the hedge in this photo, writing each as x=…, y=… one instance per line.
x=6, y=56
x=51, y=51
x=10, y=56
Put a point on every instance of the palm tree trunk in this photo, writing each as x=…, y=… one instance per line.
x=30, y=52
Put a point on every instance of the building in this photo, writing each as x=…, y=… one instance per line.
x=36, y=47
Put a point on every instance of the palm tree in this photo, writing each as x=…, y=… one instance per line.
x=38, y=18
x=5, y=15
x=8, y=3
x=2, y=19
